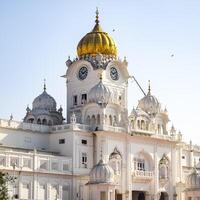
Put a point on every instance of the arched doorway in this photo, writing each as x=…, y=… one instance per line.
x=118, y=196
x=141, y=196
x=164, y=196
x=138, y=195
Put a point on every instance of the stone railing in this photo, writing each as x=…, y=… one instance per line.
x=57, y=128
x=72, y=126
x=168, y=137
x=193, y=147
x=83, y=127
x=139, y=174
x=141, y=132
x=24, y=126
x=176, y=137
x=111, y=128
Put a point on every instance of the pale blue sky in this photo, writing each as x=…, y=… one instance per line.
x=36, y=37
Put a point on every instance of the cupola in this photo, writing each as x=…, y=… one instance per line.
x=44, y=102
x=149, y=103
x=101, y=173
x=44, y=110
x=99, y=94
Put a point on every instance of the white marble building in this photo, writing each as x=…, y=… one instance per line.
x=100, y=152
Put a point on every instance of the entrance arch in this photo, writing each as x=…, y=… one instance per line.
x=138, y=195
x=141, y=196
x=164, y=196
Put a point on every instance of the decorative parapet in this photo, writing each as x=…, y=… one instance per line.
x=70, y=127
x=194, y=147
x=11, y=124
x=155, y=135
x=111, y=128
x=82, y=127
x=57, y=128
x=139, y=175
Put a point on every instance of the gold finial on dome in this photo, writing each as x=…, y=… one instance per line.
x=97, y=16
x=97, y=27
x=97, y=42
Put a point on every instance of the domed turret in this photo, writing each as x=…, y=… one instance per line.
x=149, y=103
x=193, y=180
x=99, y=94
x=97, y=42
x=101, y=173
x=44, y=110
x=44, y=101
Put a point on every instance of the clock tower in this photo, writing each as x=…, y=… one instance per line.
x=97, y=82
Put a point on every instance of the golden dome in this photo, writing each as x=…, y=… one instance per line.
x=97, y=42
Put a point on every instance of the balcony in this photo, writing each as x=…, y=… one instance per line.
x=142, y=176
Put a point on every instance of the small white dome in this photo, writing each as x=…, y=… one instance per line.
x=44, y=102
x=193, y=180
x=99, y=94
x=101, y=173
x=149, y=103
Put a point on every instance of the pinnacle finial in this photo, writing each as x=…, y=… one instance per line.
x=97, y=16
x=45, y=85
x=149, y=87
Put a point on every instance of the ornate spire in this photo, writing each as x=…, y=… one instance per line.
x=97, y=16
x=44, y=85
x=149, y=87
x=97, y=27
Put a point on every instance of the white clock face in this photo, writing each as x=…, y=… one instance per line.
x=83, y=72
x=114, y=73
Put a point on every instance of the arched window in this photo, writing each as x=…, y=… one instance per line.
x=143, y=161
x=114, y=121
x=93, y=120
x=115, y=161
x=39, y=121
x=143, y=125
x=88, y=120
x=44, y=121
x=164, y=167
x=98, y=119
x=138, y=124
x=110, y=120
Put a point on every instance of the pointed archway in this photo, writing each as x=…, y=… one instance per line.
x=164, y=196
